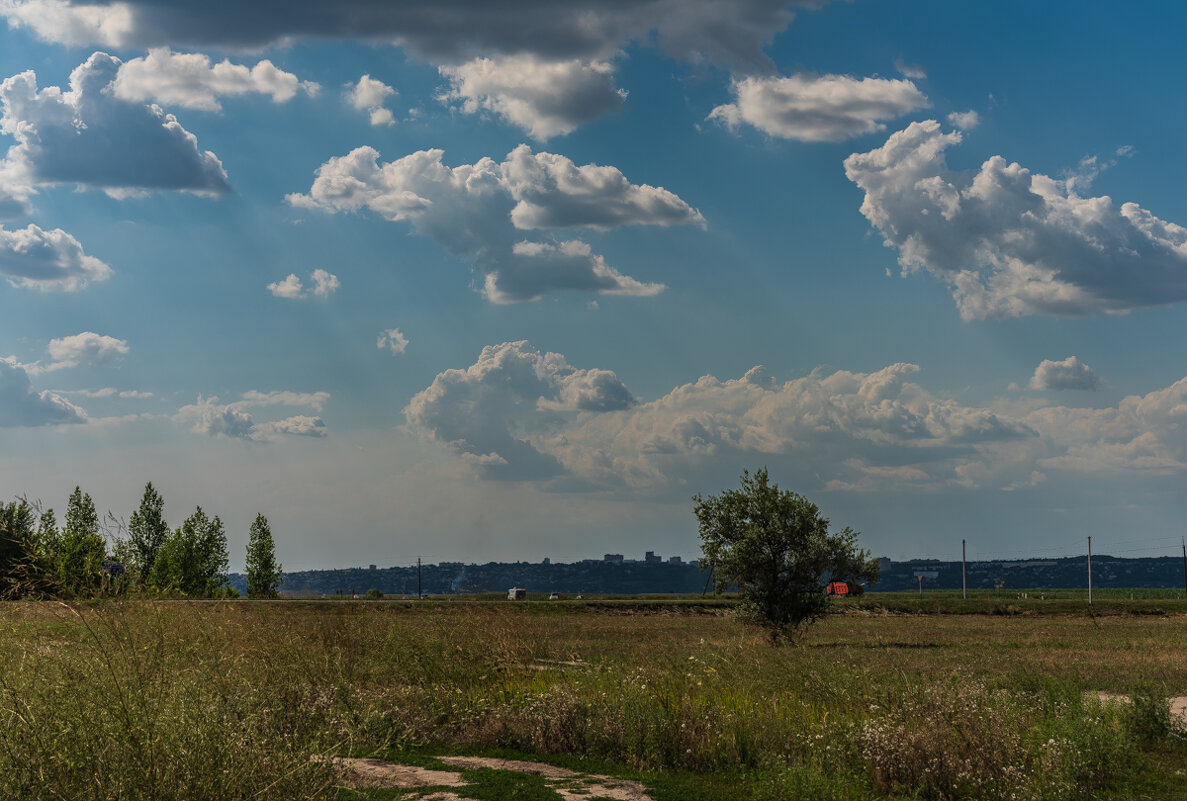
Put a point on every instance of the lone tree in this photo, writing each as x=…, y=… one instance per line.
x=776, y=548
x=263, y=574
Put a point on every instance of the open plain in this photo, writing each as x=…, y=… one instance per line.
x=670, y=700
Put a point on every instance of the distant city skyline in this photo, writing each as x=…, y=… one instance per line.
x=479, y=282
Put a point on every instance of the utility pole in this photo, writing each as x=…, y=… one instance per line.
x=964, y=582
x=419, y=594
x=1090, y=571
x=919, y=576
x=1185, y=564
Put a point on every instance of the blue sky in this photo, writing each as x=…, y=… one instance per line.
x=469, y=283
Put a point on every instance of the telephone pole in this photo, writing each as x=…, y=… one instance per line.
x=1090, y=571
x=964, y=582
x=1185, y=564
x=419, y=594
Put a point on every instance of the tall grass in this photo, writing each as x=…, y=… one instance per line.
x=230, y=700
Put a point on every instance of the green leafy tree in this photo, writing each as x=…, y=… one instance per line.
x=776, y=548
x=17, y=546
x=148, y=531
x=193, y=559
x=81, y=549
x=48, y=535
x=263, y=573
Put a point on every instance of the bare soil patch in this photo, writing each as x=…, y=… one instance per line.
x=376, y=773
x=570, y=785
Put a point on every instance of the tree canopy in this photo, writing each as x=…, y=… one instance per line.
x=774, y=546
x=263, y=573
x=148, y=530
x=193, y=559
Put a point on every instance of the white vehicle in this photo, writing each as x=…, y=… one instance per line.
x=556, y=596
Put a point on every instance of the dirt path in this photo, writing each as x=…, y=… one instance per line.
x=570, y=785
x=1178, y=704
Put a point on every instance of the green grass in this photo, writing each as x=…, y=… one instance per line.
x=230, y=700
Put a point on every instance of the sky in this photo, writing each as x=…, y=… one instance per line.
x=468, y=281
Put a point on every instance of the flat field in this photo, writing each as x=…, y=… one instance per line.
x=181, y=700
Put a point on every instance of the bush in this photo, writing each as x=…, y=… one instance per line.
x=1148, y=716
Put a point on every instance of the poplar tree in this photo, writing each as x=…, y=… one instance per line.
x=81, y=548
x=193, y=559
x=263, y=573
x=47, y=534
x=148, y=530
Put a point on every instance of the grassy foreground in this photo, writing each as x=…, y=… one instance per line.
x=230, y=700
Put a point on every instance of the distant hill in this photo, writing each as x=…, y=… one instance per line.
x=635, y=577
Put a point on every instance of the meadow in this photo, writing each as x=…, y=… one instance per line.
x=895, y=697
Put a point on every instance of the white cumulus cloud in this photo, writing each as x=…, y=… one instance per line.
x=824, y=108
x=325, y=283
x=1070, y=373
x=392, y=340
x=33, y=258
x=190, y=80
x=290, y=287
x=478, y=211
x=491, y=411
x=964, y=120
x=545, y=98
x=1009, y=242
x=369, y=95
x=89, y=137
x=87, y=348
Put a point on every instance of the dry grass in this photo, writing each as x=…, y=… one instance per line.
x=229, y=700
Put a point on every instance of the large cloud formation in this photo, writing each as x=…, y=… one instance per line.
x=1010, y=242
x=33, y=258
x=824, y=108
x=191, y=81
x=446, y=31
x=90, y=137
x=477, y=210
x=21, y=405
x=520, y=414
x=541, y=65
x=491, y=412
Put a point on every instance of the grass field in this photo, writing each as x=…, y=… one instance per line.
x=176, y=700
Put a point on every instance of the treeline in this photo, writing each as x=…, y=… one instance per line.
x=39, y=559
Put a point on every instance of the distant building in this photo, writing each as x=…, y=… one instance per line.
x=546, y=561
x=651, y=559
x=372, y=567
x=613, y=557
x=675, y=560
